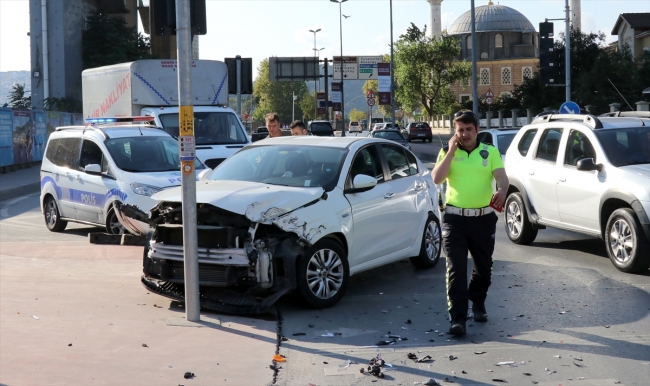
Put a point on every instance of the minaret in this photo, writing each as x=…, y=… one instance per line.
x=575, y=14
x=436, y=14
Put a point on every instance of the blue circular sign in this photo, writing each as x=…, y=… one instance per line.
x=569, y=108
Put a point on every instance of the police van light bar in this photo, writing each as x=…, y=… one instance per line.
x=119, y=119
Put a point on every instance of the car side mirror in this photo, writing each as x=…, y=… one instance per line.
x=362, y=183
x=204, y=173
x=587, y=164
x=94, y=169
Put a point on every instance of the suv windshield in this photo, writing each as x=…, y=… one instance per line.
x=321, y=127
x=146, y=154
x=626, y=146
x=392, y=135
x=210, y=128
x=296, y=166
x=504, y=141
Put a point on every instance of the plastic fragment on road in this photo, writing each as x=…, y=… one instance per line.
x=278, y=358
x=144, y=345
x=299, y=334
x=557, y=356
x=189, y=375
x=499, y=380
x=328, y=335
x=528, y=374
x=431, y=381
x=35, y=317
x=451, y=358
x=479, y=352
x=506, y=363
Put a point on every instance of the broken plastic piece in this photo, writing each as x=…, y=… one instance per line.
x=451, y=357
x=528, y=374
x=189, y=375
x=328, y=335
x=279, y=358
x=408, y=321
x=479, y=352
x=35, y=317
x=506, y=363
x=69, y=344
x=411, y=356
x=299, y=334
x=432, y=381
x=498, y=380
x=144, y=345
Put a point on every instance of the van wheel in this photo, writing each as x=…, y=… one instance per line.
x=626, y=244
x=431, y=242
x=113, y=225
x=323, y=274
x=53, y=216
x=518, y=228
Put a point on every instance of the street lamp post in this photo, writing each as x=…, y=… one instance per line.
x=392, y=70
x=341, y=62
x=317, y=66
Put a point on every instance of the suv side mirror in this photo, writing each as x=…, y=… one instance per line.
x=204, y=173
x=94, y=169
x=587, y=164
x=362, y=183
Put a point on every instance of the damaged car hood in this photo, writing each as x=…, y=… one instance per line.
x=257, y=201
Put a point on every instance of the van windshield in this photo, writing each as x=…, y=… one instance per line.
x=145, y=154
x=210, y=128
x=377, y=120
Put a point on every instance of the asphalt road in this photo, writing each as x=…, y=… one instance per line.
x=558, y=310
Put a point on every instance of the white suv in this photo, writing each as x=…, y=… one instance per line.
x=584, y=174
x=86, y=169
x=354, y=127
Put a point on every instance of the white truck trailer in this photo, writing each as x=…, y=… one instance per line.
x=150, y=88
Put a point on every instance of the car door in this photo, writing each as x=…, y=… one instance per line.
x=540, y=175
x=372, y=210
x=579, y=191
x=94, y=188
x=66, y=160
x=409, y=197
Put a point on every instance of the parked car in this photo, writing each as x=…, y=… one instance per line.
x=420, y=130
x=261, y=133
x=321, y=128
x=499, y=138
x=364, y=124
x=391, y=135
x=354, y=127
x=296, y=214
x=585, y=174
x=87, y=169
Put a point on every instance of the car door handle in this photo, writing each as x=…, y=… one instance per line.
x=531, y=173
x=388, y=196
x=562, y=180
x=418, y=187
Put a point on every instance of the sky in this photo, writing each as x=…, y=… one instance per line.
x=262, y=28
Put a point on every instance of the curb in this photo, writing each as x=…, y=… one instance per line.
x=20, y=191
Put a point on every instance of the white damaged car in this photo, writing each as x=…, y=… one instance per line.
x=294, y=214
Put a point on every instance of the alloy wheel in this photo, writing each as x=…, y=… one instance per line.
x=621, y=241
x=432, y=240
x=51, y=214
x=114, y=225
x=325, y=273
x=514, y=219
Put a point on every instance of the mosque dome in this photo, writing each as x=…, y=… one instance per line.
x=491, y=18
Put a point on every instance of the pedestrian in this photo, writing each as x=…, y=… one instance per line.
x=298, y=128
x=468, y=218
x=273, y=125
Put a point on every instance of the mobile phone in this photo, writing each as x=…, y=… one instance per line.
x=497, y=208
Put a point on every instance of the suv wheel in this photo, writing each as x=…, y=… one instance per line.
x=53, y=216
x=431, y=241
x=518, y=228
x=323, y=274
x=113, y=225
x=626, y=244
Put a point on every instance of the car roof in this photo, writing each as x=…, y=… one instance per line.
x=593, y=122
x=112, y=131
x=308, y=140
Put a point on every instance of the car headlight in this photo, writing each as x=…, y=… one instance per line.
x=145, y=190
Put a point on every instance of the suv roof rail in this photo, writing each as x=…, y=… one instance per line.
x=633, y=114
x=137, y=119
x=587, y=119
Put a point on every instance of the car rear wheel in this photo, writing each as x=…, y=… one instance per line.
x=431, y=245
x=53, y=216
x=113, y=225
x=626, y=244
x=323, y=274
x=518, y=227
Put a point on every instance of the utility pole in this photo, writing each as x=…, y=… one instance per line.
x=341, y=63
x=392, y=70
x=238, y=59
x=187, y=157
x=317, y=66
x=475, y=78
x=567, y=52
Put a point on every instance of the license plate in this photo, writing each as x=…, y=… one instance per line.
x=421, y=135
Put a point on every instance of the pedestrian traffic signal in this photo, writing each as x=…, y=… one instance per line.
x=163, y=17
x=547, y=64
x=559, y=57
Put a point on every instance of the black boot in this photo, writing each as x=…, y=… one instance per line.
x=480, y=315
x=457, y=326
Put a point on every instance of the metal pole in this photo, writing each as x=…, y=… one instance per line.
x=316, y=55
x=567, y=53
x=341, y=38
x=475, y=79
x=293, y=106
x=392, y=70
x=188, y=175
x=326, y=76
x=238, y=59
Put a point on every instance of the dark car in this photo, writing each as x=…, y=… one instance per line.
x=261, y=133
x=391, y=135
x=321, y=128
x=420, y=130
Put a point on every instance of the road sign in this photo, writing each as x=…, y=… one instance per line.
x=370, y=95
x=371, y=101
x=336, y=96
x=383, y=83
x=489, y=100
x=569, y=108
x=350, y=68
x=368, y=66
x=489, y=93
x=293, y=69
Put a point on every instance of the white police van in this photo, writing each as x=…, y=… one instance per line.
x=86, y=169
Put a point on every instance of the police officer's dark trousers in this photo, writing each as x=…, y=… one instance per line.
x=460, y=236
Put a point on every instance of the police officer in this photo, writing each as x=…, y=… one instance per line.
x=469, y=221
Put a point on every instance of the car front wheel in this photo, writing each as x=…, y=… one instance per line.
x=626, y=244
x=323, y=274
x=431, y=243
x=53, y=216
x=113, y=225
x=518, y=227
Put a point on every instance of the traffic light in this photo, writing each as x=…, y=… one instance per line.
x=246, y=75
x=547, y=64
x=559, y=56
x=163, y=17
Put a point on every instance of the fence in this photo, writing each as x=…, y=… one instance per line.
x=24, y=133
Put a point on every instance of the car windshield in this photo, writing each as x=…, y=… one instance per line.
x=287, y=165
x=626, y=146
x=392, y=135
x=318, y=127
x=145, y=154
x=503, y=142
x=210, y=128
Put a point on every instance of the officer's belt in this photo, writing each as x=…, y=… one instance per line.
x=468, y=212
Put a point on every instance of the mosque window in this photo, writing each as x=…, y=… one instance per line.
x=526, y=73
x=485, y=76
x=484, y=55
x=506, y=75
x=469, y=42
x=498, y=41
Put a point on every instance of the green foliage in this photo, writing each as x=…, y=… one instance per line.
x=107, y=40
x=17, y=98
x=357, y=115
x=372, y=85
x=307, y=105
x=276, y=96
x=425, y=68
x=66, y=104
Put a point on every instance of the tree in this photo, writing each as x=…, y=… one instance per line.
x=373, y=85
x=425, y=68
x=357, y=115
x=276, y=96
x=107, y=40
x=65, y=104
x=308, y=105
x=17, y=98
